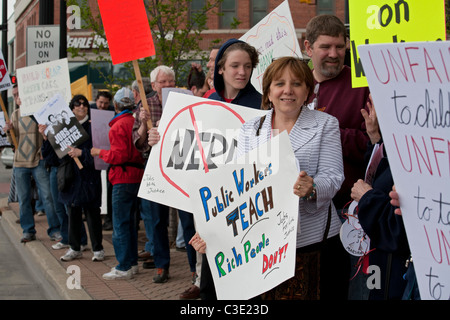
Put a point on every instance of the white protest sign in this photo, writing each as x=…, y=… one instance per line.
x=5, y=80
x=63, y=129
x=410, y=85
x=197, y=135
x=253, y=208
x=3, y=138
x=38, y=83
x=273, y=37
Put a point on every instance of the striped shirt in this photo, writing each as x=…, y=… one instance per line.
x=315, y=139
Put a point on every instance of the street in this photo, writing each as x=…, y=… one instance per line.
x=19, y=277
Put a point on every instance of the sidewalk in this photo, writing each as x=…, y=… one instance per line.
x=93, y=286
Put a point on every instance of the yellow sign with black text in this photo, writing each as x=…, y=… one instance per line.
x=391, y=21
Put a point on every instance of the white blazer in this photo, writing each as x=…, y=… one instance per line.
x=316, y=142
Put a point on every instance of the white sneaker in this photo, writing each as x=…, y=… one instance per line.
x=71, y=254
x=135, y=269
x=59, y=245
x=99, y=255
x=83, y=247
x=117, y=274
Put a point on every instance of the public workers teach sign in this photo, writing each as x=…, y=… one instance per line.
x=63, y=129
x=410, y=86
x=197, y=135
x=392, y=21
x=38, y=83
x=273, y=37
x=247, y=213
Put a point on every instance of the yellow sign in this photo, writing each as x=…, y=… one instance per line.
x=390, y=21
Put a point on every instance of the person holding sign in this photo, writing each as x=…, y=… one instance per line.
x=83, y=195
x=377, y=217
x=233, y=68
x=314, y=136
x=28, y=164
x=127, y=168
x=325, y=43
x=161, y=77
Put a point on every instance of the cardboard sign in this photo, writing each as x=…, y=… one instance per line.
x=391, y=21
x=126, y=29
x=38, y=83
x=100, y=134
x=274, y=37
x=410, y=85
x=197, y=135
x=63, y=129
x=255, y=212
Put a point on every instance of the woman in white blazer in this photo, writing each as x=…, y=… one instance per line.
x=315, y=139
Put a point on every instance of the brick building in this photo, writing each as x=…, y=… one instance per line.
x=248, y=12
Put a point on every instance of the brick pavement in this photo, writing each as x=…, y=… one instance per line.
x=140, y=287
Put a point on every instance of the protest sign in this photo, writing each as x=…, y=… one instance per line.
x=63, y=129
x=247, y=213
x=126, y=29
x=273, y=37
x=136, y=43
x=391, y=21
x=5, y=80
x=100, y=133
x=40, y=82
x=5, y=84
x=3, y=138
x=197, y=135
x=409, y=83
x=165, y=93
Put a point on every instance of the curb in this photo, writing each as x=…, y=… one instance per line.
x=50, y=269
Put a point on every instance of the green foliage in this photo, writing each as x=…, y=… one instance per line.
x=176, y=35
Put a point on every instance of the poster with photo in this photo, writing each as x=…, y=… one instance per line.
x=63, y=129
x=3, y=138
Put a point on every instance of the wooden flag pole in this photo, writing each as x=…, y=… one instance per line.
x=13, y=135
x=137, y=72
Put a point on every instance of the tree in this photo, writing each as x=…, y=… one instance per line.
x=176, y=34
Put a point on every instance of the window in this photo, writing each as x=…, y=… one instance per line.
x=228, y=10
x=325, y=7
x=259, y=11
x=196, y=7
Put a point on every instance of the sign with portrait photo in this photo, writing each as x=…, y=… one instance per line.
x=63, y=129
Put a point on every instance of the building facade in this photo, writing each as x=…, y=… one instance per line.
x=248, y=12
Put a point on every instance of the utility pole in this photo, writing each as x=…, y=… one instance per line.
x=62, y=29
x=46, y=9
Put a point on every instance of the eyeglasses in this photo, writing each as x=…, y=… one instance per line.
x=80, y=104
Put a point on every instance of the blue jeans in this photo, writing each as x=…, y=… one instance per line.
x=160, y=217
x=124, y=237
x=61, y=210
x=187, y=223
x=148, y=224
x=23, y=188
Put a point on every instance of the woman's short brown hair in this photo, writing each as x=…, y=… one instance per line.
x=299, y=69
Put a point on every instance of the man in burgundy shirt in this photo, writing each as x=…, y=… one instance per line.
x=326, y=44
